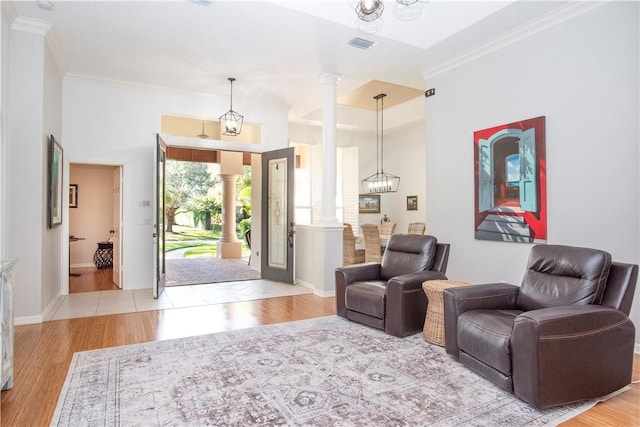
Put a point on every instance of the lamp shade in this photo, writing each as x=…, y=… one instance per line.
x=380, y=182
x=231, y=121
x=369, y=10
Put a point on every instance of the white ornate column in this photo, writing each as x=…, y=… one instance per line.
x=229, y=246
x=329, y=132
x=315, y=268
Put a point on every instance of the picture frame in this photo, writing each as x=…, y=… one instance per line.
x=369, y=203
x=73, y=195
x=412, y=203
x=510, y=182
x=54, y=177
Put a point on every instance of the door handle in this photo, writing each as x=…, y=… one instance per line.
x=292, y=231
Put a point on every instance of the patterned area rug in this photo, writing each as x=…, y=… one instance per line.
x=318, y=372
x=208, y=270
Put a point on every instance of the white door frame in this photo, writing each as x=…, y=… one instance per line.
x=64, y=283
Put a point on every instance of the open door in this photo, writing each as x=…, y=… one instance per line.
x=485, y=176
x=528, y=169
x=277, y=215
x=115, y=231
x=159, y=229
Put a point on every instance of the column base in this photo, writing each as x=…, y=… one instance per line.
x=230, y=250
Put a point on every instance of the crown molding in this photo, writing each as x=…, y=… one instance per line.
x=8, y=11
x=30, y=25
x=549, y=20
x=54, y=48
x=43, y=28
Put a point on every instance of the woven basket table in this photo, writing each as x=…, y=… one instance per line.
x=433, y=330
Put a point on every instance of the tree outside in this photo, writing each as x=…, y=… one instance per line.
x=186, y=182
x=195, y=189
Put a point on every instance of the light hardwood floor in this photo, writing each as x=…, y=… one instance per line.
x=43, y=351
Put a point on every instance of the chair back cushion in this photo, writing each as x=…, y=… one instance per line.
x=563, y=275
x=407, y=253
x=621, y=286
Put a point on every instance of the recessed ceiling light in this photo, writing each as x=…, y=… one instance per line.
x=45, y=4
x=361, y=43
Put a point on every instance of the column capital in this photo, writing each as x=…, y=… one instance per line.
x=329, y=77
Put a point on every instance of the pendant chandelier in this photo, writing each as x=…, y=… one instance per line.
x=369, y=10
x=369, y=13
x=380, y=182
x=203, y=135
x=231, y=121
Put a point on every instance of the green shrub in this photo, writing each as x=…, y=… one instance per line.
x=243, y=226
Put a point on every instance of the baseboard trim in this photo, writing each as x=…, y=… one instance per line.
x=47, y=314
x=637, y=348
x=27, y=320
x=325, y=294
x=82, y=264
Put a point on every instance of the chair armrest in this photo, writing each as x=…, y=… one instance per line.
x=459, y=299
x=406, y=304
x=412, y=281
x=350, y=274
x=577, y=352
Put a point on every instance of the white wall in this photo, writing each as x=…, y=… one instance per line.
x=34, y=105
x=404, y=156
x=116, y=124
x=53, y=255
x=4, y=103
x=583, y=76
x=93, y=218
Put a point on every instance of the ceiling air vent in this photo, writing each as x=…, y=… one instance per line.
x=361, y=43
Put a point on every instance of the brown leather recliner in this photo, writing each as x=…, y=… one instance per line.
x=388, y=295
x=563, y=336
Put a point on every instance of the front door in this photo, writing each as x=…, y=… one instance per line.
x=159, y=228
x=277, y=215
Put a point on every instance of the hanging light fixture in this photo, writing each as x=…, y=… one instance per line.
x=203, y=135
x=231, y=121
x=369, y=10
x=407, y=10
x=380, y=182
x=369, y=13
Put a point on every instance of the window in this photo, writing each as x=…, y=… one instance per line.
x=512, y=165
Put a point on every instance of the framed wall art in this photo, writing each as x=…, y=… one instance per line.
x=511, y=182
x=73, y=195
x=369, y=203
x=412, y=203
x=54, y=175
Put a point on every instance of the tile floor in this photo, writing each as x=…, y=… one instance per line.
x=118, y=301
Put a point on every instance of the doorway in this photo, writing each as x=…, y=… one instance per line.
x=95, y=227
x=196, y=181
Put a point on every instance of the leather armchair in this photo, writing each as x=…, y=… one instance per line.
x=388, y=295
x=563, y=336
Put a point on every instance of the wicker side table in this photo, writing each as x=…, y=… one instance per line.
x=433, y=330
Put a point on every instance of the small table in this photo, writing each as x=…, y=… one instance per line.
x=103, y=256
x=433, y=330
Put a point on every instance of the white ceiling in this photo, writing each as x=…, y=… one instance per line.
x=275, y=49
